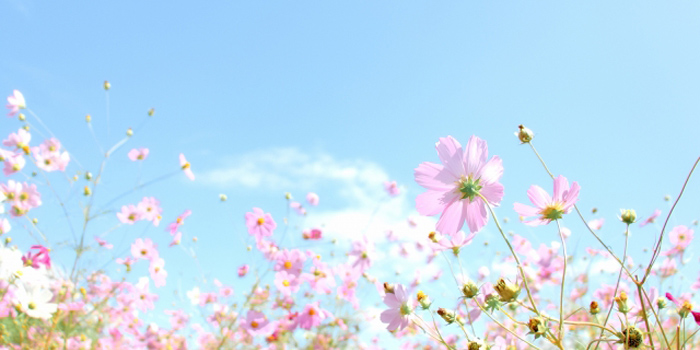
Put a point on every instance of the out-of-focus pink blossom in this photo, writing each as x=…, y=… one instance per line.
x=157, y=271
x=144, y=249
x=13, y=164
x=651, y=218
x=398, y=316
x=19, y=140
x=243, y=270
x=312, y=198
x=175, y=225
x=137, y=154
x=150, y=210
x=177, y=238
x=186, y=167
x=259, y=223
x=312, y=316
x=298, y=208
x=129, y=214
x=392, y=188
x=314, y=233
x=685, y=307
x=103, y=243
x=456, y=187
x=41, y=256
x=15, y=102
x=596, y=224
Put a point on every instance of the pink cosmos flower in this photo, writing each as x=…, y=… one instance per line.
x=185, y=165
x=48, y=156
x=398, y=316
x=596, y=224
x=150, y=210
x=175, y=225
x=287, y=283
x=314, y=233
x=15, y=102
x=13, y=164
x=137, y=154
x=103, y=243
x=546, y=207
x=260, y=224
x=243, y=270
x=454, y=188
x=291, y=261
x=312, y=198
x=685, y=307
x=297, y=208
x=129, y=214
x=391, y=188
x=157, y=271
x=312, y=316
x=454, y=241
x=34, y=259
x=177, y=238
x=255, y=323
x=650, y=219
x=23, y=196
x=19, y=140
x=680, y=237
x=144, y=249
x=362, y=251
x=4, y=226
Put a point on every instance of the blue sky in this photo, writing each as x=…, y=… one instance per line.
x=362, y=91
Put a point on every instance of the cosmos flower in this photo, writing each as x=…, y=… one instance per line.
x=185, y=166
x=137, y=154
x=15, y=102
x=549, y=208
x=398, y=316
x=455, y=187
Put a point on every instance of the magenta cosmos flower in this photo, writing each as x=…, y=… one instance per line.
x=455, y=185
x=549, y=208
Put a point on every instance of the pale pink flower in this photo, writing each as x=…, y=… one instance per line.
x=15, y=102
x=398, y=316
x=312, y=316
x=681, y=236
x=455, y=187
x=157, y=271
x=314, y=233
x=287, y=283
x=453, y=241
x=546, y=207
x=144, y=249
x=255, y=323
x=4, y=226
x=259, y=223
x=129, y=214
x=13, y=164
x=175, y=225
x=48, y=156
x=177, y=238
x=137, y=154
x=185, y=166
x=243, y=270
x=23, y=197
x=596, y=224
x=298, y=208
x=363, y=251
x=19, y=140
x=391, y=188
x=312, y=198
x=150, y=210
x=103, y=243
x=668, y=268
x=650, y=219
x=291, y=261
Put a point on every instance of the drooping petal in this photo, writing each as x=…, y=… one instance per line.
x=670, y=297
x=433, y=202
x=434, y=177
x=450, y=154
x=571, y=196
x=452, y=218
x=538, y=196
x=395, y=323
x=475, y=155
x=387, y=316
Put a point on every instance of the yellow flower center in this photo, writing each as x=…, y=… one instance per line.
x=312, y=312
x=287, y=265
x=285, y=283
x=254, y=324
x=552, y=211
x=261, y=221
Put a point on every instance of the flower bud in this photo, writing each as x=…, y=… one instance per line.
x=508, y=291
x=8, y=240
x=660, y=303
x=423, y=300
x=223, y=197
x=470, y=290
x=621, y=301
x=88, y=118
x=22, y=117
x=595, y=309
x=26, y=127
x=628, y=216
x=537, y=326
x=35, y=221
x=87, y=191
x=447, y=315
x=476, y=345
x=388, y=288
x=434, y=236
x=88, y=175
x=151, y=112
x=524, y=134
x=129, y=132
x=287, y=196
x=632, y=337
x=107, y=85
x=685, y=309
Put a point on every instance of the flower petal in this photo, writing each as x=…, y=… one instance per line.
x=452, y=218
x=434, y=177
x=538, y=196
x=475, y=155
x=450, y=153
x=431, y=203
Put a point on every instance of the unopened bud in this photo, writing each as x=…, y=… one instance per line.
x=87, y=191
x=88, y=118
x=537, y=326
x=107, y=85
x=667, y=198
x=628, y=216
x=447, y=315
x=249, y=248
x=88, y=175
x=434, y=236
x=129, y=132
x=594, y=210
x=470, y=290
x=287, y=196
x=388, y=288
x=632, y=337
x=508, y=291
x=22, y=117
x=524, y=134
x=477, y=345
x=35, y=221
x=151, y=112
x=8, y=240
x=595, y=309
x=423, y=300
x=26, y=128
x=660, y=303
x=621, y=301
x=223, y=197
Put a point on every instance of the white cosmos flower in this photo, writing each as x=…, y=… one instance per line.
x=35, y=302
x=11, y=263
x=193, y=295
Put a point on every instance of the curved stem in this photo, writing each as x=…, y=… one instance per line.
x=563, y=282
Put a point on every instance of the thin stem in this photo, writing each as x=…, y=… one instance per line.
x=483, y=310
x=563, y=281
x=658, y=321
x=644, y=314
